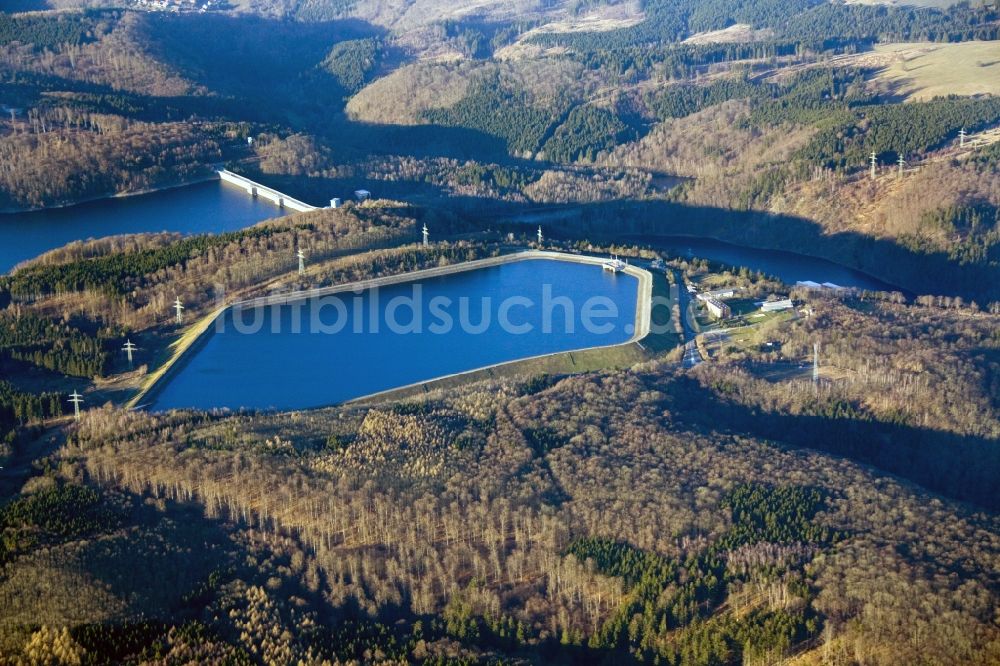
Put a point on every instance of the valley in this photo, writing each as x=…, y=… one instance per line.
x=785, y=450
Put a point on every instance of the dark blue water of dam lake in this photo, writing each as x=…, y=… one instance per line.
x=788, y=267
x=212, y=207
x=209, y=207
x=291, y=357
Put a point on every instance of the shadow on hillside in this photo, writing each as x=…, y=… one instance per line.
x=893, y=264
x=29, y=89
x=269, y=71
x=162, y=569
x=252, y=57
x=961, y=467
x=318, y=190
x=635, y=221
x=420, y=141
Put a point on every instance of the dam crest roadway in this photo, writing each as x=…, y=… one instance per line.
x=255, y=189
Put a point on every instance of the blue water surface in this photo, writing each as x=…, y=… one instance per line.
x=789, y=267
x=200, y=208
x=277, y=357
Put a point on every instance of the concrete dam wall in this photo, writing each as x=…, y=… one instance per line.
x=263, y=191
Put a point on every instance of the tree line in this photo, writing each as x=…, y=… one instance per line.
x=586, y=131
x=351, y=62
x=45, y=162
x=20, y=407
x=898, y=130
x=59, y=347
x=118, y=273
x=501, y=109
x=842, y=28
x=54, y=30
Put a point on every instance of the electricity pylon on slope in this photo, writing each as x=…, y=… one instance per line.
x=129, y=348
x=76, y=399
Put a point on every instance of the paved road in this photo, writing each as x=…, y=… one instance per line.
x=691, y=355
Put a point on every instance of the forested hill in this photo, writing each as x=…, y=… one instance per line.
x=772, y=107
x=705, y=504
x=810, y=23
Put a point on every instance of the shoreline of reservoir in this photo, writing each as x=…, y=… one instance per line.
x=111, y=197
x=207, y=207
x=182, y=347
x=555, y=212
x=217, y=174
x=643, y=310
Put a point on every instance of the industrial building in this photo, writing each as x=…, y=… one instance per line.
x=718, y=309
x=777, y=306
x=724, y=293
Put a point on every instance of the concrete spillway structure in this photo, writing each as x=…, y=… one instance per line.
x=263, y=191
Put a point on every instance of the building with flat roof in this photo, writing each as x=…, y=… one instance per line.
x=718, y=309
x=777, y=306
x=724, y=293
x=826, y=286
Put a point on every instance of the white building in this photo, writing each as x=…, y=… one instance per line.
x=776, y=306
x=816, y=286
x=718, y=309
x=726, y=292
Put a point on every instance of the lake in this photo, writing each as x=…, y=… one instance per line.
x=208, y=207
x=788, y=267
x=213, y=207
x=350, y=345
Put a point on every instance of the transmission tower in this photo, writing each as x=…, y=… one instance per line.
x=539, y=234
x=302, y=261
x=179, y=307
x=815, y=363
x=129, y=348
x=426, y=236
x=902, y=163
x=961, y=138
x=873, y=159
x=76, y=399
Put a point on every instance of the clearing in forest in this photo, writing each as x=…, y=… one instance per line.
x=921, y=71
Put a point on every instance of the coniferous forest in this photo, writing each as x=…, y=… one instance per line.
x=812, y=484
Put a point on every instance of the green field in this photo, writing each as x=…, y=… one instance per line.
x=923, y=71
